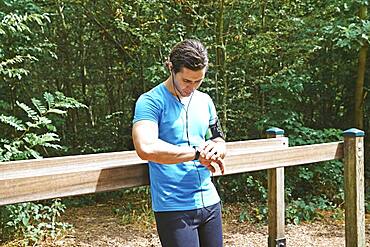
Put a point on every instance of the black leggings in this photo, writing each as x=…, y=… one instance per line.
x=192, y=228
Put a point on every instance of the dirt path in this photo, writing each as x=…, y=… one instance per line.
x=98, y=226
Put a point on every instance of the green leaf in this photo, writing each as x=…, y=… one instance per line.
x=32, y=125
x=32, y=139
x=44, y=121
x=49, y=99
x=57, y=111
x=13, y=121
x=53, y=146
x=39, y=106
x=51, y=127
x=25, y=221
x=33, y=153
x=49, y=137
x=67, y=102
x=30, y=112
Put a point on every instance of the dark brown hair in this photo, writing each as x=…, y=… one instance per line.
x=190, y=54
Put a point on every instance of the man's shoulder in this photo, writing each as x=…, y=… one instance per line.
x=155, y=94
x=149, y=105
x=157, y=91
x=203, y=96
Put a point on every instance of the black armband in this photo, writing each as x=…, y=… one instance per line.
x=216, y=130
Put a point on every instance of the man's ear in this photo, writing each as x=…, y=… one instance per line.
x=169, y=65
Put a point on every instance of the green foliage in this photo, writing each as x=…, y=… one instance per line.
x=32, y=135
x=139, y=211
x=17, y=23
x=243, y=187
x=137, y=207
x=255, y=214
x=289, y=64
x=34, y=222
x=309, y=188
x=113, y=129
x=307, y=209
x=325, y=178
x=28, y=131
x=367, y=197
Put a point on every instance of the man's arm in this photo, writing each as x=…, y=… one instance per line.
x=149, y=147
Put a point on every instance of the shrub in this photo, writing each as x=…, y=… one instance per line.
x=30, y=136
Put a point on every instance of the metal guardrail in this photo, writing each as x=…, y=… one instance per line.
x=31, y=180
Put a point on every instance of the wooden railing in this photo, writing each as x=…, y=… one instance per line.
x=30, y=180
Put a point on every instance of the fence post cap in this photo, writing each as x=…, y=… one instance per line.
x=353, y=132
x=275, y=131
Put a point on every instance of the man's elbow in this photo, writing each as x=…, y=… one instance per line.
x=144, y=152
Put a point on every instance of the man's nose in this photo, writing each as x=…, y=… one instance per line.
x=193, y=85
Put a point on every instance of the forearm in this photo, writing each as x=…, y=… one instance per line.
x=165, y=153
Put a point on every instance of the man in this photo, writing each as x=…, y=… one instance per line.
x=171, y=124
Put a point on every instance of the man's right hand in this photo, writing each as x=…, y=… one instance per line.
x=212, y=155
x=211, y=163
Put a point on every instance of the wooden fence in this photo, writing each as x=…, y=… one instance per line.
x=30, y=180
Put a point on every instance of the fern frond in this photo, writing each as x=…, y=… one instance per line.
x=44, y=121
x=39, y=106
x=13, y=121
x=45, y=140
x=14, y=151
x=65, y=102
x=4, y=141
x=14, y=72
x=49, y=99
x=12, y=61
x=33, y=153
x=32, y=125
x=30, y=112
x=52, y=145
x=57, y=111
x=32, y=139
x=49, y=137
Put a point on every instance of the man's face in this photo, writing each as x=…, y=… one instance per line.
x=187, y=80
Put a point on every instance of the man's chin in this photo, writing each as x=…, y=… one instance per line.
x=184, y=94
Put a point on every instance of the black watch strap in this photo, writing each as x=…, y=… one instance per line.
x=197, y=153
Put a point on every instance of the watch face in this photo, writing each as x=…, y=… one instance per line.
x=197, y=153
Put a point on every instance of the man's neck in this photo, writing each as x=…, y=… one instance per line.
x=170, y=86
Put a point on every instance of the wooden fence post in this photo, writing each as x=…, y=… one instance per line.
x=276, y=204
x=354, y=188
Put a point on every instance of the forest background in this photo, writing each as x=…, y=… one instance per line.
x=298, y=65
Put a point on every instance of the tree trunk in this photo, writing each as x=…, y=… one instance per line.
x=359, y=90
x=263, y=15
x=221, y=64
x=66, y=49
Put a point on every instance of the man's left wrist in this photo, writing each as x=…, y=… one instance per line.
x=197, y=153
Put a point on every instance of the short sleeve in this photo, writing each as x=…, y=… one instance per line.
x=212, y=111
x=146, y=109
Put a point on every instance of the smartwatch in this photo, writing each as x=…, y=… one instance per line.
x=197, y=153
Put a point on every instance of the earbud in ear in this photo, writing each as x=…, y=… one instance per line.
x=169, y=65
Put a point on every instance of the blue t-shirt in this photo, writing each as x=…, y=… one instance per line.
x=182, y=186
